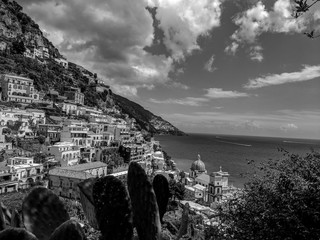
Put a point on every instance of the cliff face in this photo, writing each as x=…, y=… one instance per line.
x=18, y=31
x=16, y=25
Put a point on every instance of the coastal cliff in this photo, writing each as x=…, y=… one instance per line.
x=19, y=34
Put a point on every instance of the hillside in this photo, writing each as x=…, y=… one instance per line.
x=154, y=124
x=19, y=33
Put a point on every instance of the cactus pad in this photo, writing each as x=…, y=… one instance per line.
x=43, y=212
x=113, y=208
x=69, y=230
x=144, y=203
x=161, y=189
x=16, y=234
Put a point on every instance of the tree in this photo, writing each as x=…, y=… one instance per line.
x=40, y=158
x=42, y=139
x=180, y=191
x=281, y=201
x=32, y=126
x=18, y=47
x=300, y=8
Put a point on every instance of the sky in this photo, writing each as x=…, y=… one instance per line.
x=207, y=66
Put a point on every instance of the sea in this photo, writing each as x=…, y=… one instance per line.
x=231, y=153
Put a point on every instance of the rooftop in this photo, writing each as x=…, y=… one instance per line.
x=199, y=187
x=70, y=173
x=85, y=166
x=15, y=76
x=62, y=144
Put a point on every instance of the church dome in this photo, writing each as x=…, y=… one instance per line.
x=198, y=165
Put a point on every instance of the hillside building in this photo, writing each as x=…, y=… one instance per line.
x=25, y=171
x=64, y=181
x=18, y=89
x=66, y=153
x=75, y=95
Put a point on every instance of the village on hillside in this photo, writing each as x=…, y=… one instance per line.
x=84, y=142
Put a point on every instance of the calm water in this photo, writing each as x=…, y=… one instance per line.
x=230, y=152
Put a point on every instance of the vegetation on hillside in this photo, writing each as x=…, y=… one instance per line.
x=281, y=201
x=144, y=117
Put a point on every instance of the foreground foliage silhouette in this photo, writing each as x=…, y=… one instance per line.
x=281, y=201
x=106, y=203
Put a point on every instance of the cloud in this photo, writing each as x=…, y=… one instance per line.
x=209, y=65
x=188, y=101
x=111, y=38
x=306, y=74
x=129, y=91
x=219, y=93
x=184, y=21
x=178, y=85
x=257, y=20
x=288, y=127
x=256, y=53
x=232, y=48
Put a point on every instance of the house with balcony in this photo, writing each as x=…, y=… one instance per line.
x=51, y=131
x=70, y=108
x=7, y=183
x=66, y=153
x=18, y=89
x=74, y=95
x=28, y=53
x=45, y=52
x=131, y=152
x=76, y=134
x=61, y=61
x=25, y=171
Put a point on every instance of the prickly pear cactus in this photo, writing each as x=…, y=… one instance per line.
x=16, y=234
x=161, y=189
x=87, y=202
x=2, y=219
x=144, y=204
x=184, y=221
x=15, y=219
x=113, y=209
x=5, y=216
x=43, y=212
x=69, y=230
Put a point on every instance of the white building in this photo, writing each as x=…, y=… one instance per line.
x=62, y=62
x=18, y=89
x=25, y=171
x=66, y=153
x=78, y=135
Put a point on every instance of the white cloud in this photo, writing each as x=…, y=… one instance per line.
x=256, y=53
x=306, y=74
x=178, y=85
x=184, y=21
x=129, y=91
x=188, y=101
x=257, y=20
x=209, y=65
x=219, y=93
x=108, y=38
x=232, y=48
x=288, y=127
